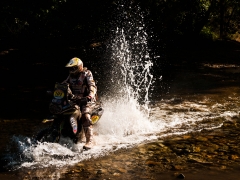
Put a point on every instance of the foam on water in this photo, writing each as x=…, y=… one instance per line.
x=123, y=126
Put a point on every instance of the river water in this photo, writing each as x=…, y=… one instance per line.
x=197, y=96
x=124, y=126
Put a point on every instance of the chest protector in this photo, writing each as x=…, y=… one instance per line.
x=78, y=84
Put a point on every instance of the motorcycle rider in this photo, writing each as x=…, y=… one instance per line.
x=82, y=84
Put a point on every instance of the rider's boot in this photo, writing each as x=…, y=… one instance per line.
x=89, y=137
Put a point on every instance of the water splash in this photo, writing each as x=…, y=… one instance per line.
x=131, y=64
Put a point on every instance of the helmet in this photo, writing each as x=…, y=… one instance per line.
x=74, y=64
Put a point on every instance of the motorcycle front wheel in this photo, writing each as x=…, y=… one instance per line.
x=48, y=135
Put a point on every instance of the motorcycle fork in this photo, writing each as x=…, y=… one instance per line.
x=74, y=120
x=56, y=125
x=61, y=126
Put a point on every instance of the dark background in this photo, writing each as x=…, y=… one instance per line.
x=39, y=37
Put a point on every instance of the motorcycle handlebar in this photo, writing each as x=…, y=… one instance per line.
x=76, y=99
x=80, y=100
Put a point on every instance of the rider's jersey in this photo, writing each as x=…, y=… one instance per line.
x=82, y=84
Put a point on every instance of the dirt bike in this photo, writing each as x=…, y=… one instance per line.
x=65, y=119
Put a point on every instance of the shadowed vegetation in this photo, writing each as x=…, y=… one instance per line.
x=87, y=21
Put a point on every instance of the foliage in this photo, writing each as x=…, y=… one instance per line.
x=86, y=21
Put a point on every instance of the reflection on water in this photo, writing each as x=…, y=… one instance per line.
x=221, y=66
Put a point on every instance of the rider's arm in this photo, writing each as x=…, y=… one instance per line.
x=69, y=90
x=66, y=80
x=91, y=84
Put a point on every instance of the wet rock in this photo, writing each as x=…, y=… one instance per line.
x=128, y=163
x=80, y=165
x=97, y=164
x=153, y=148
x=224, y=162
x=221, y=153
x=209, y=157
x=116, y=174
x=76, y=171
x=176, y=139
x=177, y=167
x=142, y=150
x=210, y=150
x=152, y=163
x=224, y=148
x=201, y=138
x=167, y=166
x=122, y=170
x=198, y=159
x=233, y=157
x=187, y=137
x=167, y=159
x=215, y=146
x=210, y=137
x=178, y=151
x=224, y=157
x=161, y=144
x=223, y=167
x=25, y=178
x=101, y=171
x=106, y=164
x=196, y=149
x=180, y=176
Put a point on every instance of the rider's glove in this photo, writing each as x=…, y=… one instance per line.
x=71, y=96
x=89, y=98
x=75, y=98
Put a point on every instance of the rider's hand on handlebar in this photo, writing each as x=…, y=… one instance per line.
x=89, y=98
x=73, y=96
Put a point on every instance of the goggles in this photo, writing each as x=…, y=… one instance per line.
x=74, y=68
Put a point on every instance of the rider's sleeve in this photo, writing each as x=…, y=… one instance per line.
x=66, y=80
x=91, y=84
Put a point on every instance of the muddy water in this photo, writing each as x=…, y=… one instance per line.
x=205, y=147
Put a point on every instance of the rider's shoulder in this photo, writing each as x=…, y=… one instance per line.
x=86, y=70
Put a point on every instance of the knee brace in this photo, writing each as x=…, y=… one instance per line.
x=87, y=120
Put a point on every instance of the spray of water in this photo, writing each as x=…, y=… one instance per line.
x=127, y=109
x=130, y=60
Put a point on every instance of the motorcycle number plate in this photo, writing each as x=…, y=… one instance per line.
x=58, y=94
